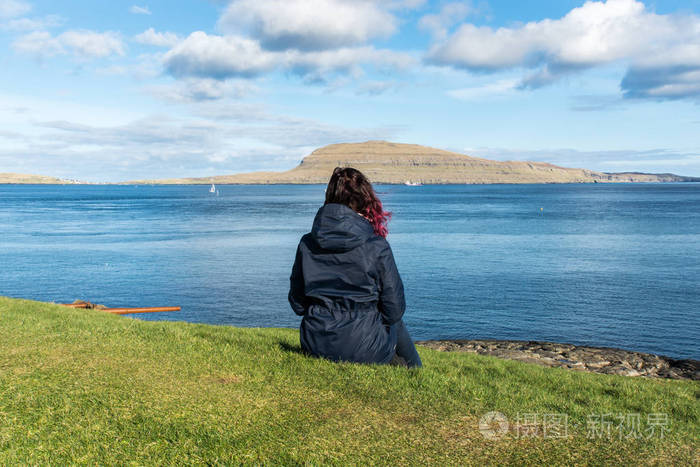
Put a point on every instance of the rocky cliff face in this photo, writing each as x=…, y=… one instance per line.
x=644, y=177
x=385, y=162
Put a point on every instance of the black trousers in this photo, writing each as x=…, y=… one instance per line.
x=406, y=353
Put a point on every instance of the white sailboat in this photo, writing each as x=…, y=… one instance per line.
x=212, y=189
x=410, y=183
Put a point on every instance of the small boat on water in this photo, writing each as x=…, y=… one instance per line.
x=212, y=189
x=410, y=183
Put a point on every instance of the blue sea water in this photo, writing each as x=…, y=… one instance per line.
x=606, y=264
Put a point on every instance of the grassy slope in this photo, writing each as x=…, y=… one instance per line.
x=81, y=386
x=22, y=179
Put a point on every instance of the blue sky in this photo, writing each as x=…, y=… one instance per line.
x=119, y=90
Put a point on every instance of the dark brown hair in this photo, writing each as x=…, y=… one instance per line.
x=350, y=187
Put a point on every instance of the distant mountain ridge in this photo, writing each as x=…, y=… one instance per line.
x=386, y=162
x=29, y=179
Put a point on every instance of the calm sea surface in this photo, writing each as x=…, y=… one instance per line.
x=606, y=265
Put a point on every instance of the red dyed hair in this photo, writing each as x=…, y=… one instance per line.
x=350, y=187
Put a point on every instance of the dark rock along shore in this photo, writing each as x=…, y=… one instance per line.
x=576, y=357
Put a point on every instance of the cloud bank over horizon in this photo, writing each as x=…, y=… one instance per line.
x=128, y=91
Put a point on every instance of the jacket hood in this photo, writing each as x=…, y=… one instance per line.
x=338, y=227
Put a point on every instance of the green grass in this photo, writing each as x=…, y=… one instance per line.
x=81, y=386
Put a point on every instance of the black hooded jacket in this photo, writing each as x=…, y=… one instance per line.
x=345, y=284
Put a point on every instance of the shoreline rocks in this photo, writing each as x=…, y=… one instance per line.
x=604, y=360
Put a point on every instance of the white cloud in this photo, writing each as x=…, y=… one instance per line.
x=222, y=57
x=596, y=33
x=449, y=15
x=308, y=24
x=82, y=44
x=657, y=160
x=139, y=10
x=158, y=39
x=597, y=102
x=313, y=39
x=665, y=82
x=201, y=89
x=113, y=70
x=375, y=88
x=401, y=4
x=218, y=57
x=145, y=66
x=498, y=88
x=12, y=8
x=39, y=43
x=247, y=138
x=92, y=44
x=33, y=24
x=318, y=64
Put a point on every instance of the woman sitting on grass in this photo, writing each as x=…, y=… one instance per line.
x=345, y=283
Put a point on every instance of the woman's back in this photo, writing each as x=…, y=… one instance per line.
x=346, y=286
x=344, y=281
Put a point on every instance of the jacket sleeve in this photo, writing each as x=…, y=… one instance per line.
x=392, y=303
x=296, y=296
